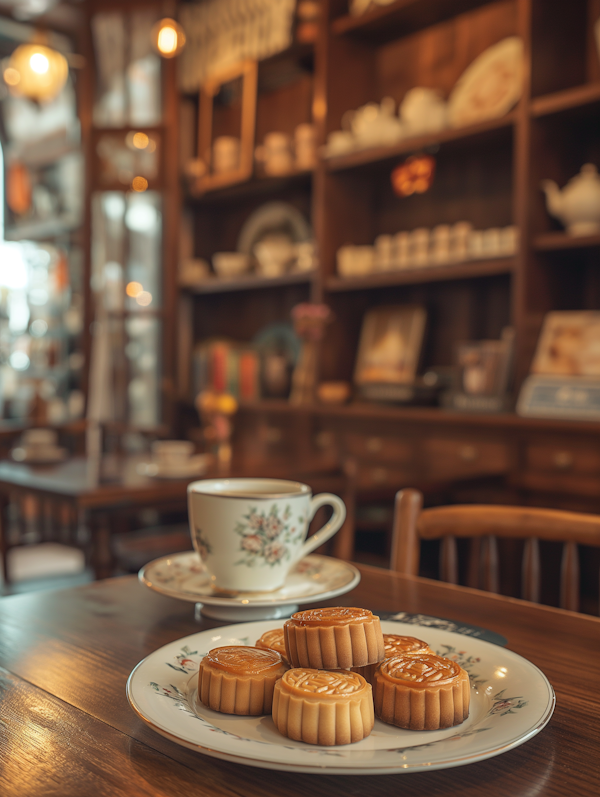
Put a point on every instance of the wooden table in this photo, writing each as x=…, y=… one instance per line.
x=66, y=727
x=101, y=487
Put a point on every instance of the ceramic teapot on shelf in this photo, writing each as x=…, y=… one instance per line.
x=374, y=124
x=423, y=111
x=577, y=206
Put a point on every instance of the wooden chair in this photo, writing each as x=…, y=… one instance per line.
x=483, y=524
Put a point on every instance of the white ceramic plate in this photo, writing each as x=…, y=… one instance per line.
x=511, y=701
x=273, y=217
x=490, y=86
x=314, y=578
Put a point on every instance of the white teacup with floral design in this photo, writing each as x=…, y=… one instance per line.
x=250, y=532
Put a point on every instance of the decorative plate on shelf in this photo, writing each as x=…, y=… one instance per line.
x=511, y=701
x=278, y=219
x=490, y=86
x=314, y=578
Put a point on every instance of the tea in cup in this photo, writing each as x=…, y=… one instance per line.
x=250, y=532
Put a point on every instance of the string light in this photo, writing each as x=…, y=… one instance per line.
x=134, y=289
x=140, y=140
x=168, y=38
x=139, y=184
x=144, y=298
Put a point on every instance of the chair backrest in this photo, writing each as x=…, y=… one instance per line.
x=483, y=524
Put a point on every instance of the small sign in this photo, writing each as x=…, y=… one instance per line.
x=576, y=398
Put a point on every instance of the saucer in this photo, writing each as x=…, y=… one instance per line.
x=195, y=466
x=39, y=455
x=314, y=578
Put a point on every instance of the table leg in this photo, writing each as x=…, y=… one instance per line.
x=4, y=540
x=101, y=555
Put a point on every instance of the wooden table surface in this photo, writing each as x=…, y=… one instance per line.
x=66, y=727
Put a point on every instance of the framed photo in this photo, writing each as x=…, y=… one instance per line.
x=569, y=345
x=390, y=345
x=484, y=367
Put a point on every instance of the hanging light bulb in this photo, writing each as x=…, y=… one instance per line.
x=37, y=72
x=168, y=38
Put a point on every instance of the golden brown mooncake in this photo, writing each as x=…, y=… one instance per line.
x=320, y=707
x=394, y=645
x=333, y=638
x=239, y=680
x=421, y=692
x=273, y=640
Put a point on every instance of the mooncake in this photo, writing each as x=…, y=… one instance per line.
x=421, y=692
x=333, y=638
x=320, y=707
x=273, y=640
x=394, y=645
x=239, y=680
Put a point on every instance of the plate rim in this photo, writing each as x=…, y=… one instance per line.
x=327, y=768
x=215, y=600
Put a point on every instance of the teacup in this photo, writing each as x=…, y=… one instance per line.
x=249, y=533
x=172, y=455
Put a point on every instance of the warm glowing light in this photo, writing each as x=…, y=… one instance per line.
x=144, y=298
x=168, y=38
x=39, y=63
x=42, y=72
x=11, y=76
x=140, y=140
x=139, y=184
x=134, y=289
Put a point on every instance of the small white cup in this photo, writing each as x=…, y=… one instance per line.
x=226, y=154
x=276, y=153
x=250, y=532
x=172, y=455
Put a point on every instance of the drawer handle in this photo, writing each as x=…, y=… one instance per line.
x=324, y=440
x=379, y=475
x=273, y=434
x=563, y=460
x=374, y=444
x=468, y=453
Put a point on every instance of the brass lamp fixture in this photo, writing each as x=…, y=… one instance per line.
x=36, y=71
x=168, y=38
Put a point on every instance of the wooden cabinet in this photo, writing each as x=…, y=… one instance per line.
x=488, y=173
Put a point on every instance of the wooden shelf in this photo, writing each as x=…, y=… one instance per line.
x=556, y=241
x=255, y=186
x=414, y=276
x=249, y=283
x=566, y=100
x=400, y=18
x=365, y=157
x=42, y=230
x=427, y=415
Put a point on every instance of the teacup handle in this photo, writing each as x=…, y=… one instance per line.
x=329, y=529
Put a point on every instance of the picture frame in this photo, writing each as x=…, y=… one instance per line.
x=390, y=345
x=248, y=72
x=569, y=345
x=484, y=367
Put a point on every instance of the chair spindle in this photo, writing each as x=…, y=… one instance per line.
x=449, y=560
x=491, y=569
x=569, y=578
x=530, y=573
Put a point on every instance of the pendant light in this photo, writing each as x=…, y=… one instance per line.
x=37, y=72
x=168, y=38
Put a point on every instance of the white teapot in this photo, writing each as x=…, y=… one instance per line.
x=374, y=125
x=577, y=206
x=423, y=111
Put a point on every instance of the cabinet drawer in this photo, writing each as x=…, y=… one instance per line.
x=562, y=459
x=457, y=458
x=374, y=477
x=378, y=448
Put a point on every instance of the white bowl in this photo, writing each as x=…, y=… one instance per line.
x=230, y=264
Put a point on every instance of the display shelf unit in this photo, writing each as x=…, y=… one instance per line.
x=489, y=174
x=249, y=283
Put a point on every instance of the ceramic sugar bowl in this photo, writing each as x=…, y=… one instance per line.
x=577, y=206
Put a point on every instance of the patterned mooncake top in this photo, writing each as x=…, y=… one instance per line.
x=331, y=615
x=420, y=669
x=241, y=660
x=273, y=640
x=394, y=645
x=322, y=683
